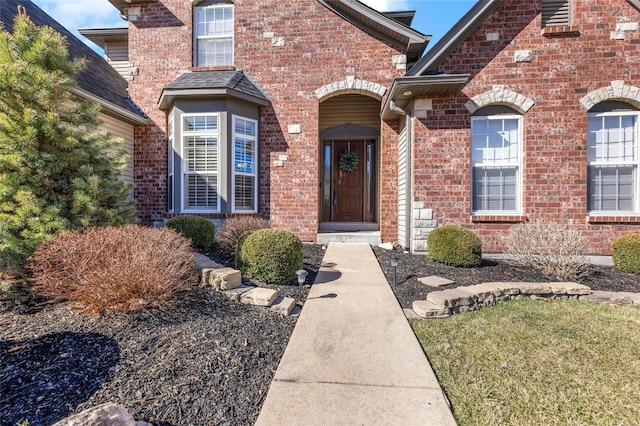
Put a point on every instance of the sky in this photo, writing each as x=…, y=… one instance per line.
x=433, y=17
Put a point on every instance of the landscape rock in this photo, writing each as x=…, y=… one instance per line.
x=108, y=414
x=435, y=281
x=259, y=296
x=426, y=309
x=283, y=305
x=224, y=278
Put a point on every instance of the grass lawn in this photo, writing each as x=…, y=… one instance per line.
x=534, y=362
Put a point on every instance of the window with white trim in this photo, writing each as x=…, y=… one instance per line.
x=612, y=155
x=496, y=145
x=214, y=35
x=170, y=169
x=245, y=191
x=200, y=154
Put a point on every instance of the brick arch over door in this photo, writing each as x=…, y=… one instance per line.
x=500, y=96
x=351, y=85
x=617, y=91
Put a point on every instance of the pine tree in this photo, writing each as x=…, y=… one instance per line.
x=55, y=173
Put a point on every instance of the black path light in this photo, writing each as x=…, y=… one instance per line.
x=395, y=261
x=302, y=276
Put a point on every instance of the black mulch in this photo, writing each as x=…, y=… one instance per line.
x=203, y=361
x=412, y=266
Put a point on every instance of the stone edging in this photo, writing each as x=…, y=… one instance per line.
x=440, y=304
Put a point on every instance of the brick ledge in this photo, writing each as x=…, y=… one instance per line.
x=612, y=219
x=564, y=31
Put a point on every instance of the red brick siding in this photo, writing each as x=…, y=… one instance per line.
x=564, y=68
x=320, y=48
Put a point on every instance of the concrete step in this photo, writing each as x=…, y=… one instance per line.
x=366, y=237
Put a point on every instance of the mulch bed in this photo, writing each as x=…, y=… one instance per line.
x=203, y=361
x=412, y=266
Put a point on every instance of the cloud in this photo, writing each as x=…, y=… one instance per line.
x=387, y=5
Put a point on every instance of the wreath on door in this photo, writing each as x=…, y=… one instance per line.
x=349, y=161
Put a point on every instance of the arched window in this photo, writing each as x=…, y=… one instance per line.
x=612, y=155
x=496, y=157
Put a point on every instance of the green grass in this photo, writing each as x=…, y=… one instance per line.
x=534, y=362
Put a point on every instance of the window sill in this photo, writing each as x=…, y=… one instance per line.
x=561, y=31
x=481, y=218
x=613, y=219
x=196, y=68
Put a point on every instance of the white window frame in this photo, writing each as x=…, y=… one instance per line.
x=171, y=189
x=634, y=163
x=234, y=173
x=197, y=37
x=183, y=173
x=517, y=165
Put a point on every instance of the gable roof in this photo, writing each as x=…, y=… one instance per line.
x=99, y=82
x=430, y=62
x=381, y=25
x=212, y=83
x=391, y=27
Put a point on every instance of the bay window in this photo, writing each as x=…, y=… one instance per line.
x=244, y=156
x=200, y=154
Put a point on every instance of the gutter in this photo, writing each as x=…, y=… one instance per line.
x=113, y=109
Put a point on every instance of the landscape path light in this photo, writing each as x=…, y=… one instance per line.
x=302, y=276
x=394, y=262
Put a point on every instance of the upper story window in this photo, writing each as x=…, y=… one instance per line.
x=214, y=35
x=612, y=155
x=496, y=147
x=556, y=13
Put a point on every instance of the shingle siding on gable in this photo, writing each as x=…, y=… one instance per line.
x=563, y=69
x=319, y=48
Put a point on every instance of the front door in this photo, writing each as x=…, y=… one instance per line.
x=348, y=181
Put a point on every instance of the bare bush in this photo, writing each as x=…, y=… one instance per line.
x=552, y=248
x=230, y=232
x=114, y=268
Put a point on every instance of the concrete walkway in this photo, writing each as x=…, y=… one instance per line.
x=352, y=358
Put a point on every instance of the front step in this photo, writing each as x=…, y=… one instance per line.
x=366, y=237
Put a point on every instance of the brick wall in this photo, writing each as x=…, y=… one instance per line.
x=319, y=48
x=564, y=67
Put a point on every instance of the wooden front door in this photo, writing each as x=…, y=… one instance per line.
x=348, y=195
x=348, y=185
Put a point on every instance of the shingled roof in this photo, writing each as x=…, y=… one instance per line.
x=99, y=82
x=213, y=83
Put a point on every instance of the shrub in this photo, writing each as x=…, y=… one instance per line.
x=58, y=170
x=199, y=230
x=269, y=255
x=454, y=245
x=626, y=253
x=114, y=268
x=552, y=248
x=230, y=232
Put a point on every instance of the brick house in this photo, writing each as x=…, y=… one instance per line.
x=526, y=109
x=250, y=112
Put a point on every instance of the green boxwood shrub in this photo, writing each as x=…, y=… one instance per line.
x=199, y=230
x=454, y=245
x=626, y=253
x=269, y=255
